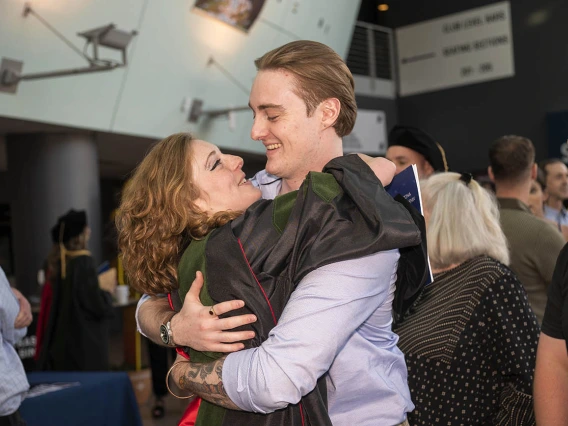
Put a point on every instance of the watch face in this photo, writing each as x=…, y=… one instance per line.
x=164, y=334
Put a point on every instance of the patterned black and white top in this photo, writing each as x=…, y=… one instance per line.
x=470, y=344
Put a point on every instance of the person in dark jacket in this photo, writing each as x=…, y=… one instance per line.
x=78, y=327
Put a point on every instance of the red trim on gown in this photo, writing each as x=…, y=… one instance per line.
x=43, y=317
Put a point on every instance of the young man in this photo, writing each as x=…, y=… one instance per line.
x=533, y=243
x=556, y=180
x=338, y=321
x=410, y=145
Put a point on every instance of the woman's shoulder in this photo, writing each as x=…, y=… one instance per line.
x=498, y=277
x=489, y=266
x=478, y=274
x=194, y=250
x=479, y=266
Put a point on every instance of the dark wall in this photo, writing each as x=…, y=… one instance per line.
x=466, y=119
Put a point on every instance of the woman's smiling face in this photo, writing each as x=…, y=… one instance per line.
x=220, y=179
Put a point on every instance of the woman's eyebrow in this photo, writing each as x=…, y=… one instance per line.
x=211, y=154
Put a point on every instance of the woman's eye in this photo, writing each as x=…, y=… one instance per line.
x=217, y=163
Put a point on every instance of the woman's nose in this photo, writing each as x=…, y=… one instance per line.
x=236, y=162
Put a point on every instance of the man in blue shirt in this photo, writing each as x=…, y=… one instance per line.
x=556, y=180
x=15, y=316
x=338, y=320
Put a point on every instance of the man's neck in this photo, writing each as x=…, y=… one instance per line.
x=520, y=191
x=289, y=185
x=335, y=150
x=554, y=203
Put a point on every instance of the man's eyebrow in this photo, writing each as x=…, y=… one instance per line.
x=266, y=106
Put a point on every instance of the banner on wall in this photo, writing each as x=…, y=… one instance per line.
x=456, y=50
x=369, y=134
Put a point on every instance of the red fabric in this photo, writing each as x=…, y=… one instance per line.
x=181, y=352
x=43, y=317
x=190, y=414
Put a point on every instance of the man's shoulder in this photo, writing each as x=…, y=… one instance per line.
x=549, y=233
x=523, y=229
x=520, y=218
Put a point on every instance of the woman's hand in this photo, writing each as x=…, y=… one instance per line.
x=195, y=327
x=383, y=168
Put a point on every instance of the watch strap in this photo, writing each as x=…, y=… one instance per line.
x=167, y=324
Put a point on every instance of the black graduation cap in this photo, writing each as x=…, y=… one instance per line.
x=74, y=222
x=421, y=142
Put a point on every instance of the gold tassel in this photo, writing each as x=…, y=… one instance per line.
x=64, y=252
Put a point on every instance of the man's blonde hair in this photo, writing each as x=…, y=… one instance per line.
x=320, y=74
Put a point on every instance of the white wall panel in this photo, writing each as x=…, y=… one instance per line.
x=167, y=62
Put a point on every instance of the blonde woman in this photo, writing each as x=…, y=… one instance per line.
x=470, y=339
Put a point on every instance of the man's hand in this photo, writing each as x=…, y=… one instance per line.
x=195, y=327
x=24, y=317
x=383, y=168
x=203, y=379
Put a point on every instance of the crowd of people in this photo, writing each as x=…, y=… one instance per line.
x=301, y=296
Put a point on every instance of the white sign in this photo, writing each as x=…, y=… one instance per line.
x=456, y=50
x=369, y=134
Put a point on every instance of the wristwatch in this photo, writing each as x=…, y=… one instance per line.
x=166, y=332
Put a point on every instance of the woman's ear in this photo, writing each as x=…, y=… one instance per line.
x=202, y=203
x=330, y=109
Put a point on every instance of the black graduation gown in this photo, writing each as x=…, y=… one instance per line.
x=77, y=337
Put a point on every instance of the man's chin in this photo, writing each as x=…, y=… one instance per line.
x=272, y=168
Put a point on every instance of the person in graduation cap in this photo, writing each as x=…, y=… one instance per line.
x=77, y=333
x=410, y=145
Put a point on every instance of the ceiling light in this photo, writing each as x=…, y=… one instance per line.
x=383, y=7
x=107, y=36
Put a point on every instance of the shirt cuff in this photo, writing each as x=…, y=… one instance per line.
x=142, y=300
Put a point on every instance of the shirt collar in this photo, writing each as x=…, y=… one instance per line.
x=513, y=204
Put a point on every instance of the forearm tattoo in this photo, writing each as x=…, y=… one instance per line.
x=206, y=380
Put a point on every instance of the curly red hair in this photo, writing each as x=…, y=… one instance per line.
x=158, y=217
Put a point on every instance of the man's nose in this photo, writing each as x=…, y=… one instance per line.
x=258, y=131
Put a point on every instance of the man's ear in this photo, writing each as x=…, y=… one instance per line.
x=490, y=174
x=534, y=171
x=427, y=169
x=330, y=109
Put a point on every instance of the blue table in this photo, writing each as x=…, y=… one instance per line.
x=101, y=399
